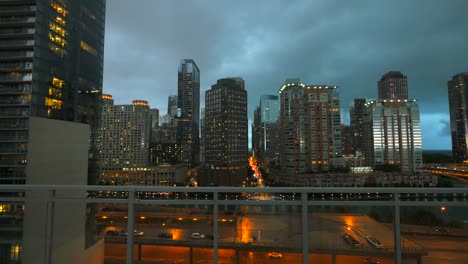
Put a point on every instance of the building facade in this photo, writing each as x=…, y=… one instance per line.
x=309, y=132
x=266, y=129
x=458, y=99
x=172, y=105
x=393, y=134
x=225, y=130
x=125, y=134
x=357, y=114
x=393, y=85
x=51, y=66
x=188, y=112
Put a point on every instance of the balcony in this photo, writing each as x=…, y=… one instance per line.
x=263, y=225
x=7, y=44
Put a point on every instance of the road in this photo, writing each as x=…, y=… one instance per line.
x=277, y=231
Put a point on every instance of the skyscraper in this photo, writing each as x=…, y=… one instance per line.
x=393, y=85
x=51, y=66
x=266, y=127
x=310, y=132
x=226, y=128
x=172, y=105
x=392, y=134
x=188, y=112
x=357, y=114
x=51, y=61
x=125, y=134
x=458, y=102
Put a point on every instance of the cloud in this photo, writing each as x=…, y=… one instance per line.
x=349, y=44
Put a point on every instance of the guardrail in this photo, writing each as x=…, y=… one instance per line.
x=219, y=196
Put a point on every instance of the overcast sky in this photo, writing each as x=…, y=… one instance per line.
x=350, y=44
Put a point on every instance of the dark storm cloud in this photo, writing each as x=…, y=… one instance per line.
x=346, y=43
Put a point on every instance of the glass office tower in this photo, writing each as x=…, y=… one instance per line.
x=188, y=112
x=51, y=66
x=457, y=90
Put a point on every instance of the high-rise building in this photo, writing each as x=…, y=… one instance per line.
x=202, y=135
x=392, y=134
x=357, y=114
x=346, y=139
x=172, y=105
x=51, y=66
x=310, y=132
x=154, y=112
x=188, y=112
x=458, y=103
x=393, y=85
x=256, y=133
x=125, y=134
x=226, y=128
x=267, y=130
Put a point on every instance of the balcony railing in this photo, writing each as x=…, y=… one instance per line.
x=297, y=241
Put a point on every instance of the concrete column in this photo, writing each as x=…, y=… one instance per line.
x=305, y=228
x=237, y=256
x=191, y=255
x=333, y=259
x=139, y=253
x=130, y=226
x=396, y=228
x=215, y=227
x=49, y=226
x=419, y=260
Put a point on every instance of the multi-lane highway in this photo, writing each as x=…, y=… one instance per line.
x=250, y=238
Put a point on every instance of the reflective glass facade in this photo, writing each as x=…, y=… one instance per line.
x=393, y=134
x=51, y=66
x=458, y=98
x=188, y=112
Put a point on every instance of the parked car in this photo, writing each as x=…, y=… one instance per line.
x=197, y=235
x=165, y=235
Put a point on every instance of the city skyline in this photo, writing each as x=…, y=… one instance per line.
x=359, y=42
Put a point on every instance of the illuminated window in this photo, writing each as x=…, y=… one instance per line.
x=53, y=103
x=85, y=46
x=54, y=92
x=59, y=20
x=57, y=39
x=57, y=50
x=15, y=252
x=4, y=208
x=59, y=9
x=57, y=29
x=58, y=82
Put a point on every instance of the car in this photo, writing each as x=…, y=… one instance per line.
x=198, y=235
x=373, y=241
x=112, y=233
x=135, y=233
x=165, y=235
x=369, y=260
x=274, y=254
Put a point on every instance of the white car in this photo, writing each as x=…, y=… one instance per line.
x=198, y=235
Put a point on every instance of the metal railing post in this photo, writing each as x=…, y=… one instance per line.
x=49, y=226
x=396, y=228
x=305, y=228
x=130, y=225
x=215, y=227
